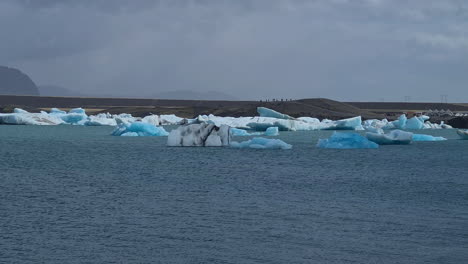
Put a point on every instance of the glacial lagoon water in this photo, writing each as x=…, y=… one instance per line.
x=72, y=194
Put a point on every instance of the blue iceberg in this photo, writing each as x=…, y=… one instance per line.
x=139, y=129
x=272, y=131
x=262, y=143
x=267, y=112
x=414, y=123
x=401, y=122
x=242, y=132
x=395, y=137
x=422, y=137
x=346, y=141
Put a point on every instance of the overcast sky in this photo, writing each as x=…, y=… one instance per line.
x=361, y=50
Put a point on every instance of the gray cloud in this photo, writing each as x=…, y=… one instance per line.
x=342, y=49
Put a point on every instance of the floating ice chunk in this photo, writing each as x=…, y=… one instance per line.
x=354, y=123
x=267, y=112
x=21, y=117
x=422, y=137
x=423, y=118
x=151, y=119
x=463, y=134
x=262, y=143
x=101, y=120
x=374, y=130
x=141, y=129
x=170, y=120
x=57, y=111
x=414, y=123
x=400, y=123
x=311, y=120
x=20, y=111
x=200, y=135
x=346, y=141
x=130, y=134
x=272, y=131
x=243, y=132
x=395, y=137
x=77, y=111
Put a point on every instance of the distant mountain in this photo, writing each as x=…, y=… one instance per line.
x=14, y=82
x=54, y=90
x=193, y=95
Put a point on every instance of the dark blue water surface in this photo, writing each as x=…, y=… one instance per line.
x=71, y=194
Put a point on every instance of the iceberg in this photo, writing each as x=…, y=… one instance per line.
x=395, y=137
x=422, y=137
x=267, y=112
x=22, y=117
x=262, y=143
x=101, y=120
x=400, y=123
x=354, y=123
x=346, y=141
x=151, y=119
x=463, y=134
x=200, y=135
x=170, y=120
x=414, y=123
x=272, y=131
x=138, y=129
x=243, y=132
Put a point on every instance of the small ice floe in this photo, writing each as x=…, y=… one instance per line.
x=271, y=131
x=200, y=135
x=422, y=137
x=463, y=134
x=346, y=141
x=262, y=143
x=394, y=137
x=243, y=133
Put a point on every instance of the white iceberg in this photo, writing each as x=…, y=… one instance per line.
x=139, y=129
x=101, y=120
x=346, y=141
x=170, y=120
x=262, y=143
x=394, y=137
x=151, y=119
x=22, y=117
x=200, y=135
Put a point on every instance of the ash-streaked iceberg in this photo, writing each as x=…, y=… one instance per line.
x=394, y=137
x=262, y=143
x=463, y=134
x=346, y=141
x=139, y=129
x=200, y=135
